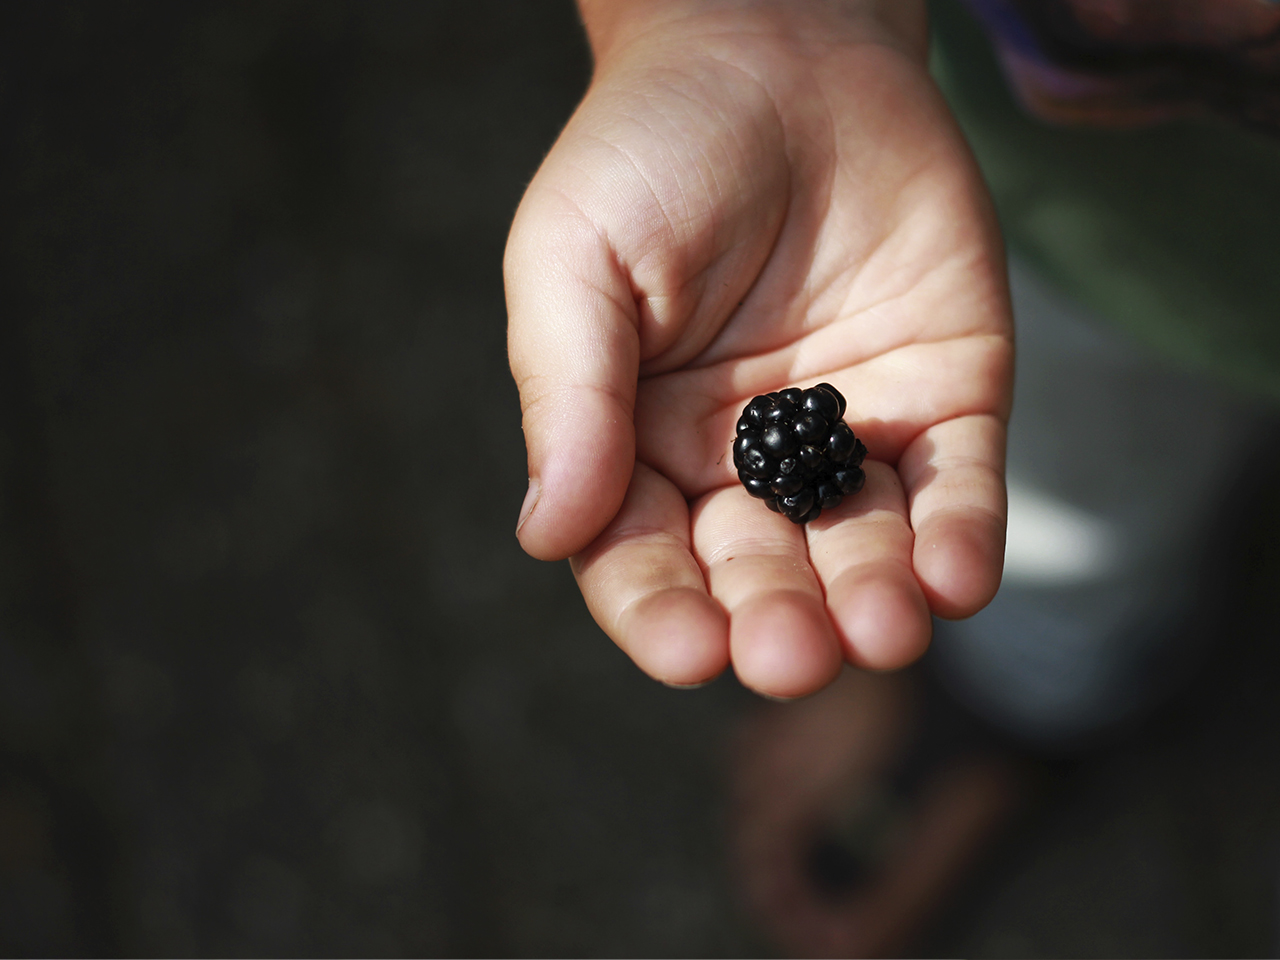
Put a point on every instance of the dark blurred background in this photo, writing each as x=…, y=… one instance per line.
x=275, y=677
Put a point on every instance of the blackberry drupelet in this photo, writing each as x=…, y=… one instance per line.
x=795, y=453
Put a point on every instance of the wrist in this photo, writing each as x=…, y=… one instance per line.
x=613, y=24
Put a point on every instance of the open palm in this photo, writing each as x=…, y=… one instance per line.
x=740, y=205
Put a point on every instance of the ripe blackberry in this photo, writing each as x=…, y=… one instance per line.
x=795, y=453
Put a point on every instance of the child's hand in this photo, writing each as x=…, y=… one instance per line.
x=751, y=196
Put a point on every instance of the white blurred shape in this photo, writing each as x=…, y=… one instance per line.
x=1050, y=542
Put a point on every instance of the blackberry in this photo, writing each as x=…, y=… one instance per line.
x=795, y=453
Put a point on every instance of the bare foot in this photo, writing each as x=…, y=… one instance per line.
x=822, y=768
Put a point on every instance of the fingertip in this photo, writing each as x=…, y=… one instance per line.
x=783, y=645
x=882, y=618
x=958, y=559
x=679, y=636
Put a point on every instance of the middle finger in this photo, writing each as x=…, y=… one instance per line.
x=781, y=641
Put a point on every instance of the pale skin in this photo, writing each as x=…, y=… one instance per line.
x=756, y=195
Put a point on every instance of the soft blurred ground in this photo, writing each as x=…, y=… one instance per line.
x=274, y=676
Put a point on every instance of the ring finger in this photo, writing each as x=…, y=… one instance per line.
x=861, y=552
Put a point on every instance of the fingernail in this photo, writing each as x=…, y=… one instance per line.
x=777, y=699
x=530, y=501
x=686, y=686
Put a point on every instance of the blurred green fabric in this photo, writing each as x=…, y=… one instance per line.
x=1169, y=232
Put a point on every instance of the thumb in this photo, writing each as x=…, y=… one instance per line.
x=574, y=350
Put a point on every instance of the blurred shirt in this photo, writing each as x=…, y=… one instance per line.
x=1131, y=149
x=1121, y=62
